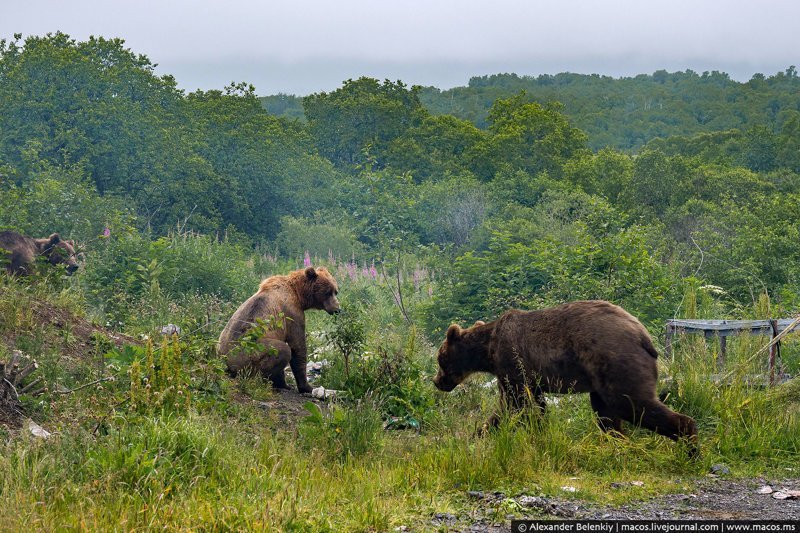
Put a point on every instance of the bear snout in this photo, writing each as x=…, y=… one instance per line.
x=331, y=306
x=443, y=384
x=71, y=269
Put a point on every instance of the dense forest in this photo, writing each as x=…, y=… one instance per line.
x=621, y=113
x=672, y=194
x=525, y=203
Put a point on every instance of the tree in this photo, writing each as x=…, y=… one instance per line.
x=359, y=114
x=531, y=137
x=438, y=146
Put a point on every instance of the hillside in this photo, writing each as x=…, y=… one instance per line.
x=620, y=113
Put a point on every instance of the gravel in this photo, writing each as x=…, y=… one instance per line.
x=712, y=498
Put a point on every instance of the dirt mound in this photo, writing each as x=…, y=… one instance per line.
x=63, y=324
x=60, y=330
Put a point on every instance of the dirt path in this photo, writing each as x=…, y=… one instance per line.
x=711, y=499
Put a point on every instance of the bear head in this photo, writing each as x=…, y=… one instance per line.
x=58, y=251
x=460, y=355
x=320, y=290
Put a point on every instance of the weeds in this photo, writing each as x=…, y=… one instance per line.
x=170, y=443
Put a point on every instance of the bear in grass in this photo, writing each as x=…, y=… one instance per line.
x=584, y=346
x=268, y=331
x=18, y=253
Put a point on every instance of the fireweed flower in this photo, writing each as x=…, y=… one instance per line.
x=306, y=260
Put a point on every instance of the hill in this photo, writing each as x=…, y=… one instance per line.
x=621, y=113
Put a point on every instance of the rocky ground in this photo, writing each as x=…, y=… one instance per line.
x=712, y=498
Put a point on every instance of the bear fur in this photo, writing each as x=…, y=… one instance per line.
x=283, y=342
x=584, y=346
x=18, y=253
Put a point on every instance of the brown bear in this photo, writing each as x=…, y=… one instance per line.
x=584, y=346
x=280, y=303
x=18, y=252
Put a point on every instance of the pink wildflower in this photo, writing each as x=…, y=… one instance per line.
x=352, y=271
x=306, y=260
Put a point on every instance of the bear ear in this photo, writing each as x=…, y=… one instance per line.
x=453, y=332
x=311, y=273
x=54, y=239
x=479, y=323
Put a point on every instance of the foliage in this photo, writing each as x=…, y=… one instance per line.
x=625, y=113
x=181, y=203
x=318, y=237
x=178, y=264
x=568, y=246
x=158, y=383
x=63, y=201
x=362, y=113
x=344, y=432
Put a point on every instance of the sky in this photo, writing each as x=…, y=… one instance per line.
x=305, y=46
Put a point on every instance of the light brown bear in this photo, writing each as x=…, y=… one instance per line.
x=18, y=252
x=283, y=343
x=584, y=346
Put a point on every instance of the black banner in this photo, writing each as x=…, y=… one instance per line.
x=655, y=526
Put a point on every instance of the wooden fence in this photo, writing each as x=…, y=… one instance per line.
x=725, y=328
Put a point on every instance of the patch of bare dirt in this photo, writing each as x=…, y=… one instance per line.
x=81, y=333
x=284, y=408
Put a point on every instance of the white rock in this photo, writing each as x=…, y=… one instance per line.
x=786, y=494
x=321, y=393
x=171, y=329
x=766, y=489
x=37, y=430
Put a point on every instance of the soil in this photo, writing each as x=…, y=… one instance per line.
x=284, y=408
x=711, y=498
x=83, y=337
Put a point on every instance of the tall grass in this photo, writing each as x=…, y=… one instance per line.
x=223, y=463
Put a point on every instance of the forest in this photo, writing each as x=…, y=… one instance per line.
x=673, y=195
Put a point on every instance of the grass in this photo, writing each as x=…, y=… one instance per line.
x=224, y=464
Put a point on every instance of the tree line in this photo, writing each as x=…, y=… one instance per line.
x=518, y=191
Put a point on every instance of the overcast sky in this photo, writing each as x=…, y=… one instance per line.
x=305, y=46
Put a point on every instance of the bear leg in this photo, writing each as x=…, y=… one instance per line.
x=298, y=364
x=514, y=397
x=278, y=379
x=274, y=361
x=657, y=417
x=605, y=418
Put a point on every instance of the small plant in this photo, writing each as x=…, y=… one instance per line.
x=251, y=342
x=160, y=383
x=348, y=334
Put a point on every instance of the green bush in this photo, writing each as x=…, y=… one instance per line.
x=61, y=200
x=122, y=270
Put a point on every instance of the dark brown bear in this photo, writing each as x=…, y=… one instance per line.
x=18, y=252
x=284, y=343
x=586, y=346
